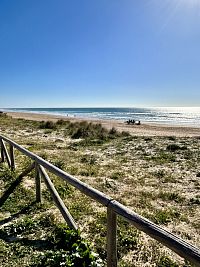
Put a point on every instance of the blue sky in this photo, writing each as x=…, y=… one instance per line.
x=93, y=53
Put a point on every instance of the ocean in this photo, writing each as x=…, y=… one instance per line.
x=185, y=116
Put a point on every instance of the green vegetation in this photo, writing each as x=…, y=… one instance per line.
x=60, y=245
x=128, y=240
x=166, y=262
x=164, y=157
x=68, y=249
x=3, y=115
x=47, y=125
x=171, y=196
x=175, y=147
x=164, y=216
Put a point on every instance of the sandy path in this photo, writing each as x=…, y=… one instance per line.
x=140, y=130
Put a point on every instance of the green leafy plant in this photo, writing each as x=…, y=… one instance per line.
x=70, y=249
x=166, y=262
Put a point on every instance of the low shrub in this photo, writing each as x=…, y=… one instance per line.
x=47, y=125
x=163, y=157
x=88, y=131
x=172, y=138
x=113, y=131
x=116, y=175
x=79, y=258
x=3, y=114
x=26, y=226
x=91, y=160
x=174, y=147
x=171, y=196
x=61, y=246
x=128, y=240
x=125, y=134
x=62, y=122
x=93, y=132
x=166, y=262
x=69, y=249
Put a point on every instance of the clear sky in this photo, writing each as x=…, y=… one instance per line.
x=89, y=53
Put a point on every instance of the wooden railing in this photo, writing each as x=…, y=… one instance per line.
x=114, y=208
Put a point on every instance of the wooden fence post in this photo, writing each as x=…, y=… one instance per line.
x=111, y=238
x=2, y=152
x=37, y=184
x=12, y=158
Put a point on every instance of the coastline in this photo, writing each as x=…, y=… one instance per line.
x=145, y=129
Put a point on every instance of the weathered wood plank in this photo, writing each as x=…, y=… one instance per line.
x=58, y=201
x=12, y=157
x=2, y=152
x=38, y=184
x=111, y=238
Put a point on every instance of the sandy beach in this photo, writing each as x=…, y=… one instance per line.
x=139, y=130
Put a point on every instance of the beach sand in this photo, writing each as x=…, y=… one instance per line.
x=139, y=130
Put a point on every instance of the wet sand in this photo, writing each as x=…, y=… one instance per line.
x=139, y=130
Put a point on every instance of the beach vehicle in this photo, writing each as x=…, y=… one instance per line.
x=133, y=122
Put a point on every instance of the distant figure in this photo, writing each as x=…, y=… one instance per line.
x=137, y=123
x=130, y=121
x=133, y=122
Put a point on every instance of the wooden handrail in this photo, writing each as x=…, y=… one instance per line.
x=168, y=239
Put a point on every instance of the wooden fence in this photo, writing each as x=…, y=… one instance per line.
x=114, y=208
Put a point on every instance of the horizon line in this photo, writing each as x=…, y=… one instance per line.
x=84, y=107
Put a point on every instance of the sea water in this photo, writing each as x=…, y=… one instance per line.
x=186, y=116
